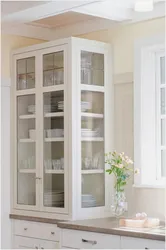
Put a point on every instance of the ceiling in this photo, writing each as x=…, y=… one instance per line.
x=59, y=18
x=9, y=7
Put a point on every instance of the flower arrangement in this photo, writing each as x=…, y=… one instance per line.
x=119, y=166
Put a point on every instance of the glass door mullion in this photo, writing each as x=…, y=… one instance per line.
x=26, y=152
x=53, y=130
x=25, y=131
x=92, y=130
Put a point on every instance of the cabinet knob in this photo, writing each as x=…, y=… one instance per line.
x=146, y=248
x=25, y=228
x=52, y=233
x=93, y=242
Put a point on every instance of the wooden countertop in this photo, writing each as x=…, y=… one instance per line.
x=35, y=219
x=102, y=225
x=111, y=226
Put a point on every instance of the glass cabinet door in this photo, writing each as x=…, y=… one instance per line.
x=53, y=130
x=53, y=69
x=26, y=150
x=26, y=73
x=92, y=68
x=92, y=131
x=53, y=113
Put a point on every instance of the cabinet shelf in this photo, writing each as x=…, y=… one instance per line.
x=26, y=140
x=52, y=171
x=52, y=69
x=56, y=139
x=31, y=116
x=93, y=171
x=27, y=171
x=92, y=139
x=92, y=115
x=55, y=114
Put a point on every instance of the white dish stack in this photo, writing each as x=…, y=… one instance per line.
x=88, y=200
x=54, y=198
x=61, y=105
x=32, y=109
x=85, y=132
x=85, y=106
x=52, y=133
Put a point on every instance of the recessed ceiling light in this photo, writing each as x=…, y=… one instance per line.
x=143, y=6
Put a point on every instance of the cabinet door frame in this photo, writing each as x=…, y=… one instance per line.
x=107, y=89
x=14, y=147
x=48, y=89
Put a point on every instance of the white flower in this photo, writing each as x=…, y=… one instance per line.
x=137, y=171
x=119, y=166
x=130, y=161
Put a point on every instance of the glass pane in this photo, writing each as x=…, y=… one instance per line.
x=26, y=73
x=31, y=65
x=163, y=132
x=26, y=158
x=163, y=102
x=53, y=149
x=162, y=60
x=92, y=149
x=92, y=68
x=163, y=163
x=53, y=69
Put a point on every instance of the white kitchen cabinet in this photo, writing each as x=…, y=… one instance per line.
x=78, y=239
x=36, y=230
x=137, y=243
x=35, y=235
x=32, y=243
x=88, y=240
x=61, y=123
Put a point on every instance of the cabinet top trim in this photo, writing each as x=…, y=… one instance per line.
x=64, y=41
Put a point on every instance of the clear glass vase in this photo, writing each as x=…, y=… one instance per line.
x=118, y=203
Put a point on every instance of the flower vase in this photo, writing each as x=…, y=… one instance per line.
x=118, y=203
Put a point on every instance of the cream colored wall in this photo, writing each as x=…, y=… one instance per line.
x=122, y=39
x=9, y=43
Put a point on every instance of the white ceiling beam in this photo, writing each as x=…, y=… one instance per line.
x=63, y=32
x=111, y=10
x=42, y=11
